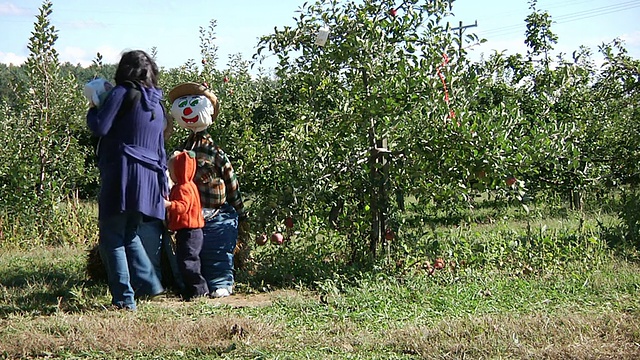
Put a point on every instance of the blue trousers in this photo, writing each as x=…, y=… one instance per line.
x=155, y=240
x=220, y=236
x=150, y=233
x=129, y=269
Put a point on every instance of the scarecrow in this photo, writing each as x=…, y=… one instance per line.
x=195, y=107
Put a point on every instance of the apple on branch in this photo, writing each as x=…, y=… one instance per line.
x=261, y=239
x=277, y=238
x=288, y=222
x=389, y=235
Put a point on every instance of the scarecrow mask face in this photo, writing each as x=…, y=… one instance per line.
x=193, y=112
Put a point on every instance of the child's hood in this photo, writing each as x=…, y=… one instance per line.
x=184, y=166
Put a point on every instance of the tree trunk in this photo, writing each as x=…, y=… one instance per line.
x=576, y=197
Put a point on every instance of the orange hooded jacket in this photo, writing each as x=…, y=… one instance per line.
x=185, y=211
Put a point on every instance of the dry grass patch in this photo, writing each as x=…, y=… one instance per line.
x=606, y=335
x=123, y=332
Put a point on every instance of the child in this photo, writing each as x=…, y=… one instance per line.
x=97, y=90
x=184, y=214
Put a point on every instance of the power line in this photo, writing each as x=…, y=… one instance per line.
x=599, y=11
x=595, y=15
x=554, y=4
x=566, y=18
x=620, y=6
x=510, y=14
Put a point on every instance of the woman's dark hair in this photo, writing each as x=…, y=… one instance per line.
x=137, y=66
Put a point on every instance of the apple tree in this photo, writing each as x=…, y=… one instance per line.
x=566, y=114
x=369, y=117
x=43, y=163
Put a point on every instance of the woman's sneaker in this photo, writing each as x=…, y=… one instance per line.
x=220, y=293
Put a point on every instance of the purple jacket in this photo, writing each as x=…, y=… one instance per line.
x=131, y=156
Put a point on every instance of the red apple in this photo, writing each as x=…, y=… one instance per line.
x=226, y=79
x=288, y=222
x=261, y=239
x=277, y=238
x=389, y=235
x=393, y=12
x=204, y=61
x=438, y=264
x=510, y=181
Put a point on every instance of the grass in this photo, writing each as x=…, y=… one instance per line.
x=50, y=310
x=511, y=289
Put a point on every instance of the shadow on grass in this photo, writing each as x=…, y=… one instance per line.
x=39, y=290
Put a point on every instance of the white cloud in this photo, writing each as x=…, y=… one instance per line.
x=109, y=54
x=632, y=39
x=11, y=58
x=71, y=54
x=74, y=55
x=7, y=8
x=85, y=57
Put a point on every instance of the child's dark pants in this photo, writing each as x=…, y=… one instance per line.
x=188, y=246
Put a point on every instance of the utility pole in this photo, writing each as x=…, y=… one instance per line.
x=460, y=29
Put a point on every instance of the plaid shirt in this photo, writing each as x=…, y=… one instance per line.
x=215, y=178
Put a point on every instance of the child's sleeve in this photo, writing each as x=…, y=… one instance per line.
x=179, y=201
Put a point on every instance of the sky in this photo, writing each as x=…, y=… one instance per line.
x=173, y=27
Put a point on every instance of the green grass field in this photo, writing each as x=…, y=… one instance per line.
x=552, y=289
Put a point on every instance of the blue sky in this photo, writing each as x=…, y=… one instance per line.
x=109, y=27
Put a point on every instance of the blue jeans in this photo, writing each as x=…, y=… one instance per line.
x=150, y=233
x=130, y=271
x=216, y=258
x=156, y=239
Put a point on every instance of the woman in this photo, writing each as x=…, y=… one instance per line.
x=132, y=164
